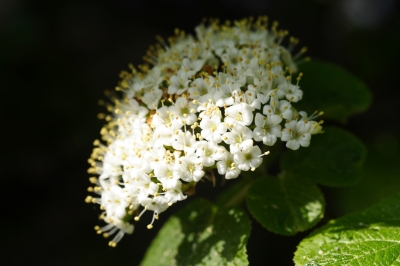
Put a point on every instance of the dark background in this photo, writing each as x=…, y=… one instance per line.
x=57, y=58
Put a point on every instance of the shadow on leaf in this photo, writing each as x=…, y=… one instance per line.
x=201, y=234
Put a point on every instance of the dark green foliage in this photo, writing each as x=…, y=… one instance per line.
x=286, y=205
x=332, y=89
x=334, y=158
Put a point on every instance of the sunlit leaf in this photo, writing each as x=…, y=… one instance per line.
x=371, y=237
x=201, y=234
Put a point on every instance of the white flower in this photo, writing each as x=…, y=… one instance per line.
x=164, y=171
x=296, y=133
x=192, y=66
x=179, y=83
x=173, y=191
x=155, y=154
x=114, y=201
x=283, y=108
x=181, y=110
x=212, y=128
x=183, y=141
x=157, y=204
x=268, y=129
x=164, y=136
x=248, y=158
x=209, y=109
x=290, y=91
x=152, y=97
x=239, y=137
x=233, y=58
x=241, y=114
x=162, y=117
x=200, y=89
x=251, y=97
x=315, y=127
x=189, y=168
x=227, y=167
x=207, y=152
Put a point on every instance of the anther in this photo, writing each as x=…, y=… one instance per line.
x=88, y=199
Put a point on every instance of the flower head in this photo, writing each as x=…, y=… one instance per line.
x=210, y=103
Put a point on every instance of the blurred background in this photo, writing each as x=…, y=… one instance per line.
x=58, y=57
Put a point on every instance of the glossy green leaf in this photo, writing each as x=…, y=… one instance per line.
x=334, y=158
x=371, y=237
x=332, y=89
x=201, y=234
x=286, y=205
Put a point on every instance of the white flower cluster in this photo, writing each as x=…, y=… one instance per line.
x=207, y=103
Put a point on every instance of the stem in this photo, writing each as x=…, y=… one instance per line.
x=236, y=194
x=239, y=196
x=189, y=188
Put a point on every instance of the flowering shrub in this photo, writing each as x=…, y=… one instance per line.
x=213, y=103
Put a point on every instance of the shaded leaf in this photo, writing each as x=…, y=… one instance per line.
x=201, y=234
x=332, y=89
x=381, y=170
x=370, y=237
x=286, y=205
x=334, y=158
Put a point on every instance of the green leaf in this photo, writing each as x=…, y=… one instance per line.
x=332, y=89
x=334, y=158
x=370, y=237
x=201, y=234
x=286, y=205
x=382, y=162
